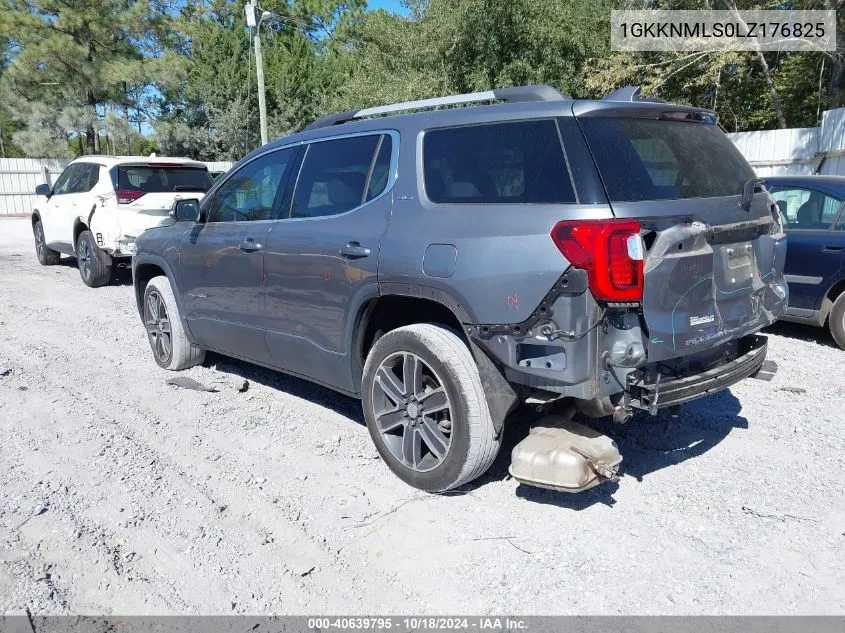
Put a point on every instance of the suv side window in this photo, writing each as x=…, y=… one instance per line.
x=333, y=177
x=93, y=176
x=251, y=192
x=380, y=174
x=515, y=162
x=806, y=208
x=63, y=183
x=83, y=178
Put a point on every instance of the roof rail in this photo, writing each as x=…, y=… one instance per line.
x=630, y=93
x=512, y=94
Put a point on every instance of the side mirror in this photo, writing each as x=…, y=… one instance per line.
x=43, y=190
x=187, y=210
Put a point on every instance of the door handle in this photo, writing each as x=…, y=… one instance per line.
x=249, y=245
x=353, y=250
x=832, y=249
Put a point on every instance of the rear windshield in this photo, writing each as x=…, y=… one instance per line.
x=646, y=159
x=500, y=163
x=158, y=179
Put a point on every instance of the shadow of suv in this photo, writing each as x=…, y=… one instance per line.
x=446, y=265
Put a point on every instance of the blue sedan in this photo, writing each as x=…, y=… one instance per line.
x=812, y=208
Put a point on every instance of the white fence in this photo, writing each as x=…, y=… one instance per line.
x=797, y=151
x=20, y=176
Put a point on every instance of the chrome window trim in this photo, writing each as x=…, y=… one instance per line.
x=391, y=180
x=394, y=169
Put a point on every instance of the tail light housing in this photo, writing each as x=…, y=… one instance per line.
x=611, y=252
x=127, y=196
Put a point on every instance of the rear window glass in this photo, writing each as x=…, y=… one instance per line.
x=646, y=159
x=155, y=179
x=520, y=162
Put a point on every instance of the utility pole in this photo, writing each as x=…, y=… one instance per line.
x=254, y=21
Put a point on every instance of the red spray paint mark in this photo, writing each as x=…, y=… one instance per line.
x=327, y=274
x=513, y=301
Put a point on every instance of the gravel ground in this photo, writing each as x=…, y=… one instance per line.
x=121, y=494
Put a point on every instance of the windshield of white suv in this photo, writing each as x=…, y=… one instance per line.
x=648, y=159
x=161, y=179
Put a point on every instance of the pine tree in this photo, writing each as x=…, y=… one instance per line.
x=72, y=60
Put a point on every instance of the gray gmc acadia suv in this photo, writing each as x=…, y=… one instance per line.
x=447, y=264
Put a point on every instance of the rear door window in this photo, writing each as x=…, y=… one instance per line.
x=806, y=208
x=649, y=159
x=93, y=176
x=333, y=177
x=162, y=179
x=502, y=163
x=381, y=168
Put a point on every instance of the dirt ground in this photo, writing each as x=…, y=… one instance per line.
x=120, y=494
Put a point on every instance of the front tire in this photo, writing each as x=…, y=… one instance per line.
x=425, y=408
x=46, y=256
x=171, y=347
x=836, y=320
x=94, y=263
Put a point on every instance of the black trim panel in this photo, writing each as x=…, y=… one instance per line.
x=670, y=392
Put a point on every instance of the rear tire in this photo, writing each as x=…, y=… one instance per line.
x=171, y=347
x=94, y=263
x=46, y=256
x=836, y=320
x=425, y=408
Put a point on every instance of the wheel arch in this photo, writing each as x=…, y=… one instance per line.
x=78, y=227
x=146, y=267
x=386, y=312
x=827, y=303
x=391, y=309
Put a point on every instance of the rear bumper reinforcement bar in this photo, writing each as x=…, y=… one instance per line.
x=668, y=392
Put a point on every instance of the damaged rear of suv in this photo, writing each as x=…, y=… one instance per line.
x=447, y=265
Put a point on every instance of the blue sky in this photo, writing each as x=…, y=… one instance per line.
x=391, y=5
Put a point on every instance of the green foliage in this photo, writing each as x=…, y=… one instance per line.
x=71, y=61
x=108, y=72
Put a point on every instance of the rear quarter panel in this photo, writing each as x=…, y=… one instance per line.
x=504, y=259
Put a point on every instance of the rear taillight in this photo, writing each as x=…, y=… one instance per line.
x=125, y=196
x=610, y=251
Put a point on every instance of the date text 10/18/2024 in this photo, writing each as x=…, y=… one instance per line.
x=411, y=623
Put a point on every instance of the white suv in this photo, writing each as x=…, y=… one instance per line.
x=100, y=204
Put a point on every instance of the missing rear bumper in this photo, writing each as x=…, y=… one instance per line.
x=661, y=392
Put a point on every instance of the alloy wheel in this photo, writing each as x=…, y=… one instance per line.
x=83, y=257
x=39, y=241
x=412, y=411
x=158, y=326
